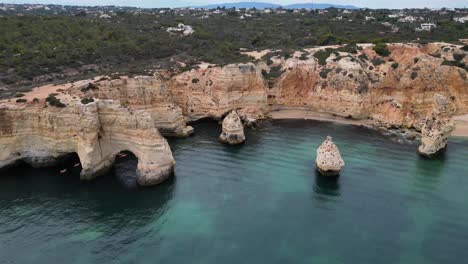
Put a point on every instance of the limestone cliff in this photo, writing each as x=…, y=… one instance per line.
x=436, y=129
x=97, y=132
x=149, y=93
x=212, y=92
x=393, y=92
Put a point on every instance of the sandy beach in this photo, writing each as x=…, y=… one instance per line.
x=461, y=121
x=461, y=129
x=306, y=114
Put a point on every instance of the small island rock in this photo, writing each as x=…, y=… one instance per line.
x=436, y=129
x=233, y=130
x=329, y=161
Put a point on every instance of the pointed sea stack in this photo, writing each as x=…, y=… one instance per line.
x=233, y=130
x=436, y=129
x=329, y=161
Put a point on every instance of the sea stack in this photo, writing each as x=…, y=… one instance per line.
x=233, y=130
x=436, y=129
x=329, y=161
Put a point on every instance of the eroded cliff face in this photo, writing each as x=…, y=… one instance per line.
x=394, y=91
x=212, y=92
x=146, y=93
x=436, y=129
x=97, y=132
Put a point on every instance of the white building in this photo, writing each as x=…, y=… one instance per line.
x=181, y=28
x=460, y=19
x=408, y=19
x=426, y=27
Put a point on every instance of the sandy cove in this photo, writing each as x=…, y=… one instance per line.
x=307, y=114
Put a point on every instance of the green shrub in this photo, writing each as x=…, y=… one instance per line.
x=322, y=56
x=414, y=75
x=90, y=86
x=465, y=48
x=21, y=101
x=455, y=64
x=19, y=94
x=381, y=49
x=363, y=57
x=86, y=101
x=35, y=100
x=377, y=61
x=395, y=65
x=350, y=48
x=304, y=56
x=416, y=60
x=54, y=101
x=324, y=73
x=458, y=56
x=195, y=80
x=274, y=73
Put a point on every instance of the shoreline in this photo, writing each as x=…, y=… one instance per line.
x=461, y=121
x=306, y=114
x=461, y=129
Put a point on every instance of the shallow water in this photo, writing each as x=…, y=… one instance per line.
x=261, y=202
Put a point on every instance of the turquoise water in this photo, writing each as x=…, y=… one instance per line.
x=261, y=202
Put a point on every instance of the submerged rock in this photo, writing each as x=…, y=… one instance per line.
x=436, y=129
x=233, y=130
x=329, y=161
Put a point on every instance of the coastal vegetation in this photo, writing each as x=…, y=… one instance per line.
x=54, y=101
x=45, y=46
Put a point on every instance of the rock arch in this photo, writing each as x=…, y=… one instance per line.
x=97, y=132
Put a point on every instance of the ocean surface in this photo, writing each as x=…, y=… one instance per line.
x=261, y=202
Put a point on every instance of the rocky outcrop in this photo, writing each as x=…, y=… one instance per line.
x=233, y=130
x=214, y=91
x=149, y=93
x=436, y=129
x=97, y=132
x=393, y=92
x=328, y=160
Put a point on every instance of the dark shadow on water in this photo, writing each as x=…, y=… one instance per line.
x=429, y=171
x=124, y=169
x=327, y=185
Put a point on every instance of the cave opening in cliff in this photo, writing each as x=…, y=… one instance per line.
x=69, y=164
x=124, y=169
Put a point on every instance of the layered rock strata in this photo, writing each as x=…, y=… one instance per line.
x=394, y=92
x=233, y=130
x=148, y=93
x=97, y=132
x=328, y=160
x=436, y=129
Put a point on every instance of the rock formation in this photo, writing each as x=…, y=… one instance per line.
x=329, y=161
x=233, y=130
x=389, y=91
x=148, y=93
x=97, y=132
x=436, y=128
